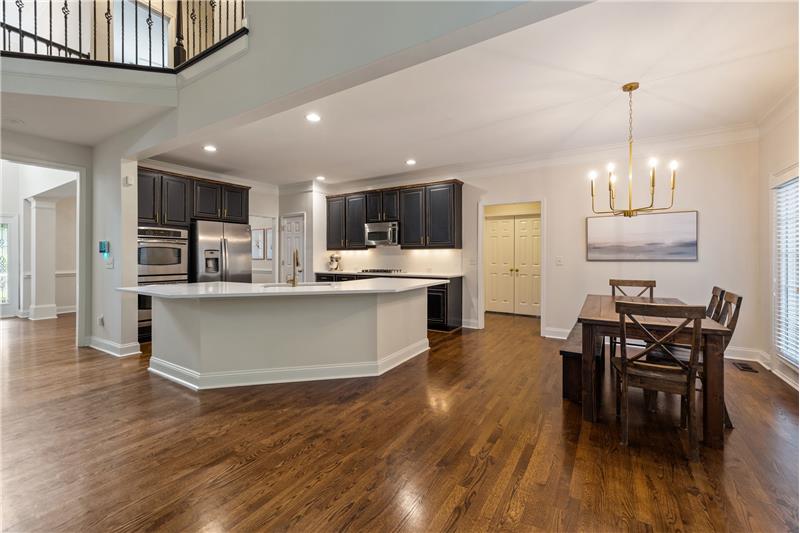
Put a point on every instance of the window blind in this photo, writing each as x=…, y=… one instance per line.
x=787, y=310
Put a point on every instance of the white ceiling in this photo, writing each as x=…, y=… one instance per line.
x=87, y=122
x=546, y=88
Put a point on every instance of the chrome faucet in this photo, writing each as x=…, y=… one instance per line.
x=295, y=268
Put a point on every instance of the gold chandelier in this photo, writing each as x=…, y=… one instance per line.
x=612, y=177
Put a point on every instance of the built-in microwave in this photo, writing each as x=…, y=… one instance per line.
x=381, y=234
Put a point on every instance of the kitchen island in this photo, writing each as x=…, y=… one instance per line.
x=222, y=334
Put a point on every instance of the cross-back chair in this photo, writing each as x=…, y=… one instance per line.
x=715, y=304
x=670, y=373
x=618, y=286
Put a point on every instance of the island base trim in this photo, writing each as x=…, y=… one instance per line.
x=241, y=378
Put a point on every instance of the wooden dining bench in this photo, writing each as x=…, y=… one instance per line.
x=571, y=352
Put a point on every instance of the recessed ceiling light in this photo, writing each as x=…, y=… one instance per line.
x=210, y=148
x=411, y=162
x=320, y=178
x=313, y=117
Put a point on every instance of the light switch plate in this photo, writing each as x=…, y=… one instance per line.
x=559, y=261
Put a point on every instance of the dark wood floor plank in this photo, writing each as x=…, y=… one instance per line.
x=473, y=436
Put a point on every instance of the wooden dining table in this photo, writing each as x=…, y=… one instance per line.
x=599, y=319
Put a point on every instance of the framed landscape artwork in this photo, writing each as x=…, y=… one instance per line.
x=652, y=237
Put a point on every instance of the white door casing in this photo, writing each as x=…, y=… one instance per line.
x=499, y=254
x=292, y=238
x=12, y=276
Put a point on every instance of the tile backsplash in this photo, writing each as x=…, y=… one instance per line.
x=431, y=260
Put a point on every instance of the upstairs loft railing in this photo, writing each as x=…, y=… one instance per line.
x=163, y=35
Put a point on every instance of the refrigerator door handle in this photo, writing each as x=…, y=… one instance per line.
x=223, y=246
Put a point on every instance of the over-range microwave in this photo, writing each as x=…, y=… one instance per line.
x=382, y=234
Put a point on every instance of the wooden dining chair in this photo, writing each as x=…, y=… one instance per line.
x=715, y=304
x=618, y=286
x=726, y=312
x=671, y=375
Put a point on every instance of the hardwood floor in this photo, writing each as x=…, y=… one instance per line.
x=473, y=436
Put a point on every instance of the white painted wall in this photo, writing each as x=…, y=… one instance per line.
x=778, y=153
x=66, y=254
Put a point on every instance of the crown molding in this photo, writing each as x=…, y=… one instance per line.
x=777, y=113
x=258, y=186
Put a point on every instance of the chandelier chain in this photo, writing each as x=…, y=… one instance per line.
x=630, y=116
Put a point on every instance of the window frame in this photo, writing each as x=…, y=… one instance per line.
x=776, y=181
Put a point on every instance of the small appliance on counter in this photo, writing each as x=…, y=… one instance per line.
x=221, y=251
x=335, y=262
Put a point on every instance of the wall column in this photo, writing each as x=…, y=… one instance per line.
x=43, y=259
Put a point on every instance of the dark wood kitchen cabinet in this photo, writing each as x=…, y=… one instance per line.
x=169, y=199
x=412, y=217
x=355, y=207
x=207, y=200
x=149, y=193
x=335, y=223
x=220, y=201
x=428, y=215
x=383, y=206
x=443, y=215
x=163, y=200
x=176, y=199
x=234, y=204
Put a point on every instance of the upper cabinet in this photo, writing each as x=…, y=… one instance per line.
x=234, y=204
x=220, y=201
x=412, y=217
x=163, y=200
x=335, y=223
x=355, y=217
x=171, y=200
x=443, y=215
x=428, y=215
x=383, y=206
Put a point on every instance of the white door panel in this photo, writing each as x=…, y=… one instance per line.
x=499, y=264
x=292, y=238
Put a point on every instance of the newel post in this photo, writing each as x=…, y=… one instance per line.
x=180, y=51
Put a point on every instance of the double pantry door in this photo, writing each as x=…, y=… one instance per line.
x=513, y=264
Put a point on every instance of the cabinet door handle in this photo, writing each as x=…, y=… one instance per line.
x=218, y=215
x=156, y=217
x=342, y=243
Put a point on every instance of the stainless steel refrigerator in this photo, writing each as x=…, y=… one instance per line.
x=221, y=251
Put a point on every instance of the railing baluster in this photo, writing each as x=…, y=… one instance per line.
x=213, y=4
x=234, y=15
x=94, y=30
x=188, y=34
x=122, y=22
x=180, y=51
x=150, y=31
x=35, y=26
x=163, y=43
x=136, y=30
x=50, y=44
x=193, y=16
x=220, y=19
x=108, y=30
x=227, y=18
x=65, y=10
x=20, y=4
x=80, y=27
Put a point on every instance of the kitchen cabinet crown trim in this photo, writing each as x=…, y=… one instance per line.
x=194, y=178
x=395, y=187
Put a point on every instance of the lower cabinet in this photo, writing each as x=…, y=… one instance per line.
x=444, y=301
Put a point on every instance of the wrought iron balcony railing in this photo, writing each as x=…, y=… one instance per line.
x=163, y=35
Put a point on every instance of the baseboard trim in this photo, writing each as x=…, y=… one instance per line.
x=42, y=312
x=64, y=309
x=555, y=333
x=113, y=348
x=470, y=324
x=761, y=357
x=242, y=378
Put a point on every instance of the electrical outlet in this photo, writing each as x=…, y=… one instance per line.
x=101, y=321
x=559, y=261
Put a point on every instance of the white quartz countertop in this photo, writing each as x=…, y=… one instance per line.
x=394, y=274
x=225, y=289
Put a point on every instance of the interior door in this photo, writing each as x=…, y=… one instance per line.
x=292, y=238
x=527, y=267
x=499, y=255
